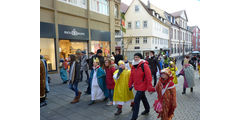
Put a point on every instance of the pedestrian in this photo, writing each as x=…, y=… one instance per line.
x=42, y=84
x=74, y=76
x=166, y=61
x=84, y=66
x=98, y=84
x=154, y=66
x=88, y=91
x=118, y=57
x=166, y=96
x=146, y=56
x=99, y=56
x=113, y=63
x=109, y=69
x=188, y=74
x=46, y=72
x=173, y=69
x=127, y=64
x=141, y=80
x=122, y=94
x=63, y=70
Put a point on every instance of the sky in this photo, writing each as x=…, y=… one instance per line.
x=192, y=8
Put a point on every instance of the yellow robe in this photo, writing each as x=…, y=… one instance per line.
x=122, y=94
x=175, y=81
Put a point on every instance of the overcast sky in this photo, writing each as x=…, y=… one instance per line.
x=192, y=8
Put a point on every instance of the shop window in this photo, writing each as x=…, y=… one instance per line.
x=48, y=51
x=104, y=45
x=67, y=47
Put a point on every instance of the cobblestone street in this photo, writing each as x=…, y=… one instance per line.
x=59, y=107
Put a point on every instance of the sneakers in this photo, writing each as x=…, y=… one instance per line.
x=145, y=112
x=110, y=103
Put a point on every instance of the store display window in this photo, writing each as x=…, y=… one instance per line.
x=47, y=47
x=95, y=45
x=67, y=47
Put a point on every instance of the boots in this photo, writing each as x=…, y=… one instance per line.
x=119, y=111
x=191, y=89
x=76, y=99
x=184, y=91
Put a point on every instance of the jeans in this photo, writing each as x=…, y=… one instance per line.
x=110, y=94
x=81, y=74
x=74, y=87
x=140, y=95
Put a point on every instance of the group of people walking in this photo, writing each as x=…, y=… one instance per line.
x=114, y=78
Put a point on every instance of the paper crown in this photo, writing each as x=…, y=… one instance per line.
x=120, y=62
x=96, y=60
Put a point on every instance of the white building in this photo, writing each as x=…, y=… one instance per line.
x=146, y=30
x=180, y=35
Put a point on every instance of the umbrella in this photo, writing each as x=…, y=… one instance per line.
x=195, y=52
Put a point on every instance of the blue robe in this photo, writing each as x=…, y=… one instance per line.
x=101, y=77
x=63, y=74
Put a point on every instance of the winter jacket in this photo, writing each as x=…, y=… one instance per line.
x=153, y=64
x=137, y=75
x=117, y=58
x=84, y=65
x=109, y=77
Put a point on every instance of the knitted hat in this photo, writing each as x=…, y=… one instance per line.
x=139, y=55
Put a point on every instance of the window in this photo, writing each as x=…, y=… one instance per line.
x=180, y=23
x=137, y=40
x=145, y=40
x=137, y=47
x=183, y=36
x=116, y=11
x=173, y=20
x=136, y=8
x=175, y=34
x=79, y=3
x=137, y=26
x=130, y=41
x=129, y=25
x=155, y=40
x=164, y=30
x=159, y=41
x=48, y=51
x=100, y=6
x=144, y=24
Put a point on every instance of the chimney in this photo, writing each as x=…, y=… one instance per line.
x=148, y=4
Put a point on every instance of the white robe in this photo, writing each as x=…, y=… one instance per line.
x=96, y=92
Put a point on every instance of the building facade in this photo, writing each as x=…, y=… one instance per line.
x=68, y=25
x=180, y=35
x=195, y=38
x=146, y=30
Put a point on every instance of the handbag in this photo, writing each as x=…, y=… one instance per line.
x=158, y=104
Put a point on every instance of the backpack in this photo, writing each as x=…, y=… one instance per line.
x=142, y=66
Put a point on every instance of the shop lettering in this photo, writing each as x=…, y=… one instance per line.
x=73, y=32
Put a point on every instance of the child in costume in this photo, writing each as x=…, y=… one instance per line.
x=127, y=65
x=122, y=94
x=166, y=96
x=63, y=70
x=173, y=69
x=113, y=63
x=109, y=69
x=98, y=84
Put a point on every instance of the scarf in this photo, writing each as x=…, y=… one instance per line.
x=165, y=82
x=135, y=62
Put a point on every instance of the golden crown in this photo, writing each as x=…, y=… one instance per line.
x=96, y=60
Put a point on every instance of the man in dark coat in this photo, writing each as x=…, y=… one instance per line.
x=118, y=57
x=153, y=64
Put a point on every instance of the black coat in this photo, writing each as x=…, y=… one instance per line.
x=117, y=58
x=153, y=64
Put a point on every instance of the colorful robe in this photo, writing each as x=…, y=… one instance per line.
x=122, y=94
x=169, y=102
x=174, y=70
x=189, y=76
x=42, y=79
x=46, y=75
x=101, y=80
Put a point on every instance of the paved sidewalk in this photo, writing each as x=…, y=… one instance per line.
x=60, y=96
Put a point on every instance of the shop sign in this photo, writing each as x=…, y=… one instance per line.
x=74, y=32
x=71, y=32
